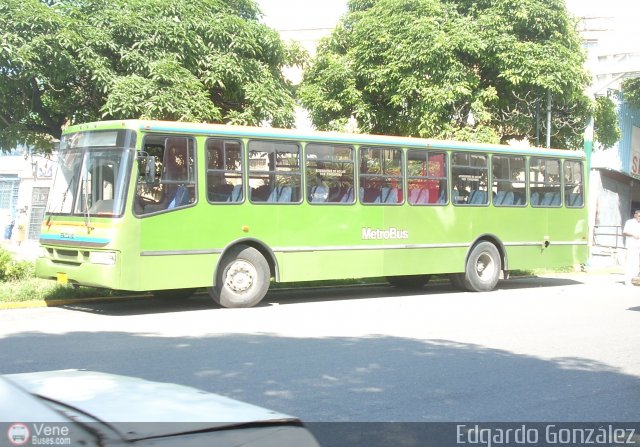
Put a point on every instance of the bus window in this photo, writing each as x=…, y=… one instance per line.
x=381, y=175
x=427, y=177
x=573, y=185
x=544, y=182
x=469, y=179
x=274, y=172
x=172, y=184
x=224, y=171
x=509, y=182
x=329, y=173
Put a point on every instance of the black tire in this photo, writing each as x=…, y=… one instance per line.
x=173, y=294
x=483, y=268
x=457, y=280
x=408, y=281
x=242, y=279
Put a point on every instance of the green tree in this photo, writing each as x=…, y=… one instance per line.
x=69, y=61
x=465, y=69
x=606, y=129
x=631, y=91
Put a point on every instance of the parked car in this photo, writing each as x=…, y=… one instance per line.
x=97, y=409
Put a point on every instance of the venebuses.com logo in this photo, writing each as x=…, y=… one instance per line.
x=18, y=434
x=39, y=434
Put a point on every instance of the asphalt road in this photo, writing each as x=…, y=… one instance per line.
x=537, y=349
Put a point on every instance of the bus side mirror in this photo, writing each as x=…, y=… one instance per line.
x=150, y=171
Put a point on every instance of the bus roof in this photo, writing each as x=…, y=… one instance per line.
x=313, y=136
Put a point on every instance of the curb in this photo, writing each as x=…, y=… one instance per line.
x=69, y=301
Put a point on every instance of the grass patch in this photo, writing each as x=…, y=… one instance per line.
x=36, y=289
x=545, y=271
x=25, y=290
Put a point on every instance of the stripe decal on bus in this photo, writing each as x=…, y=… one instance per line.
x=74, y=241
x=180, y=252
x=354, y=247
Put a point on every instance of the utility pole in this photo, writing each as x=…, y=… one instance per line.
x=548, y=119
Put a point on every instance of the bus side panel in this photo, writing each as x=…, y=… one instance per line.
x=177, y=249
x=171, y=272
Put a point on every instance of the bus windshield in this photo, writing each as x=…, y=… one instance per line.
x=93, y=174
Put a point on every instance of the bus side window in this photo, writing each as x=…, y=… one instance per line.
x=224, y=171
x=329, y=173
x=274, y=172
x=573, y=185
x=381, y=175
x=427, y=177
x=544, y=182
x=469, y=177
x=173, y=185
x=508, y=179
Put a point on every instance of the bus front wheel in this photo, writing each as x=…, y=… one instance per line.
x=242, y=279
x=483, y=268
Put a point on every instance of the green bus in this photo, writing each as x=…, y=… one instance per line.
x=169, y=207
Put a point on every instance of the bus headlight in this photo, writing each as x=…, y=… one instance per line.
x=102, y=257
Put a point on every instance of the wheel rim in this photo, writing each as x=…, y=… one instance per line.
x=241, y=276
x=485, y=267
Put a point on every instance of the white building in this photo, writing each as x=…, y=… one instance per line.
x=25, y=181
x=609, y=31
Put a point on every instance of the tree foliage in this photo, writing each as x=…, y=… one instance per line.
x=72, y=61
x=631, y=91
x=470, y=69
x=606, y=129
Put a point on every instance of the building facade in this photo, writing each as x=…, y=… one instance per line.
x=25, y=181
x=613, y=55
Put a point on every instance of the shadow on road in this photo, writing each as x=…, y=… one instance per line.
x=201, y=301
x=343, y=379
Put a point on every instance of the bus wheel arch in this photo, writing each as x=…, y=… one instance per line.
x=243, y=274
x=484, y=261
x=268, y=254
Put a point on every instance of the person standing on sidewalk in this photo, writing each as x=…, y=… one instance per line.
x=22, y=223
x=8, y=229
x=631, y=231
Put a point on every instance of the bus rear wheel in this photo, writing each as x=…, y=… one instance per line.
x=408, y=281
x=242, y=279
x=483, y=268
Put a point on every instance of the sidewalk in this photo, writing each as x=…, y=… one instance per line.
x=27, y=251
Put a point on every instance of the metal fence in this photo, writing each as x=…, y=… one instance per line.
x=608, y=236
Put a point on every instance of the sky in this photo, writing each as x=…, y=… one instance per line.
x=286, y=15
x=303, y=21
x=308, y=21
x=291, y=16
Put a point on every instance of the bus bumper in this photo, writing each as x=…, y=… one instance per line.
x=86, y=269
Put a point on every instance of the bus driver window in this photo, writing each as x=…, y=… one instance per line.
x=172, y=183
